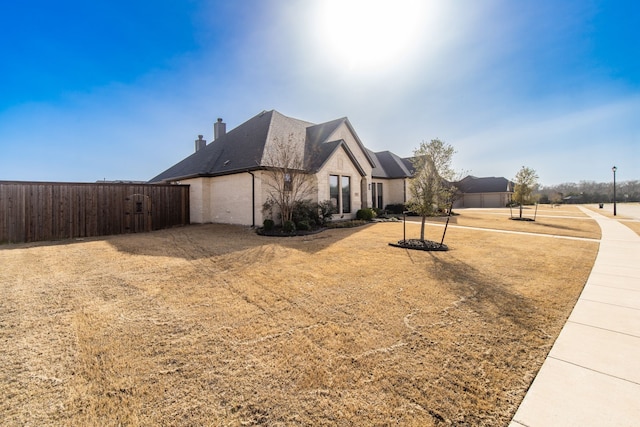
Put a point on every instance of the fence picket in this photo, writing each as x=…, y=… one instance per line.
x=35, y=211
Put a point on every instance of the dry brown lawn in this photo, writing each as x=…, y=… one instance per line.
x=634, y=225
x=565, y=221
x=214, y=325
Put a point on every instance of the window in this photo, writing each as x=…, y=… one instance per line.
x=288, y=185
x=334, y=193
x=376, y=195
x=346, y=194
x=340, y=192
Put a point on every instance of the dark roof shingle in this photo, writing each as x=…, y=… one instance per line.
x=389, y=165
x=240, y=149
x=247, y=147
x=472, y=184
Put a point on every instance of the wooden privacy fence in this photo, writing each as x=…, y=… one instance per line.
x=35, y=211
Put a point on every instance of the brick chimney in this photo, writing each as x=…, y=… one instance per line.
x=200, y=143
x=219, y=129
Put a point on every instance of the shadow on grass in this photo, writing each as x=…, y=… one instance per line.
x=560, y=227
x=211, y=240
x=60, y=242
x=483, y=293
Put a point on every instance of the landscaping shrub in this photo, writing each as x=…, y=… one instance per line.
x=326, y=209
x=366, y=214
x=305, y=210
x=315, y=214
x=288, y=227
x=303, y=225
x=268, y=224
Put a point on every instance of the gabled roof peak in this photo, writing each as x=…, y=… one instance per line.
x=390, y=165
x=244, y=147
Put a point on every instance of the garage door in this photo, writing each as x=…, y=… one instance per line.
x=491, y=201
x=486, y=200
x=472, y=201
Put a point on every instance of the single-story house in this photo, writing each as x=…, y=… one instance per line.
x=488, y=192
x=229, y=177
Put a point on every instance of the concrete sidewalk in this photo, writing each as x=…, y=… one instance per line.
x=591, y=376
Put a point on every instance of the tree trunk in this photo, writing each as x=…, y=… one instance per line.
x=424, y=218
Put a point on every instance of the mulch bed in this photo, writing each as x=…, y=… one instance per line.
x=421, y=245
x=279, y=232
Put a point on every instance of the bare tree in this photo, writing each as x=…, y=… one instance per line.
x=555, y=198
x=431, y=189
x=594, y=192
x=287, y=179
x=526, y=180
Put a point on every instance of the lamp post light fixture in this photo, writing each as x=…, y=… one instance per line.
x=614, y=169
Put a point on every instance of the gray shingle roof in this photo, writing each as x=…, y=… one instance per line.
x=246, y=147
x=472, y=184
x=317, y=134
x=239, y=149
x=389, y=165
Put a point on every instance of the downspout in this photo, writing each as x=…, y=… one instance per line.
x=404, y=190
x=253, y=199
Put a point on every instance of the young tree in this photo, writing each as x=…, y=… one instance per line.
x=430, y=188
x=526, y=179
x=287, y=180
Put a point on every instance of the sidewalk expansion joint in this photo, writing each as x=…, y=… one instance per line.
x=603, y=329
x=594, y=370
x=612, y=287
x=610, y=303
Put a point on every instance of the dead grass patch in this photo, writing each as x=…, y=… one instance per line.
x=213, y=325
x=565, y=221
x=634, y=225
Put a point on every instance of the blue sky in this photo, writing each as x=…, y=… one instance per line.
x=119, y=90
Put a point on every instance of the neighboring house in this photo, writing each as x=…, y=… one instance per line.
x=228, y=177
x=489, y=192
x=573, y=199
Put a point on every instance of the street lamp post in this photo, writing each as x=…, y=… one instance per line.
x=614, y=169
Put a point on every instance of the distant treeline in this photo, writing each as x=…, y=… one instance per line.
x=589, y=192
